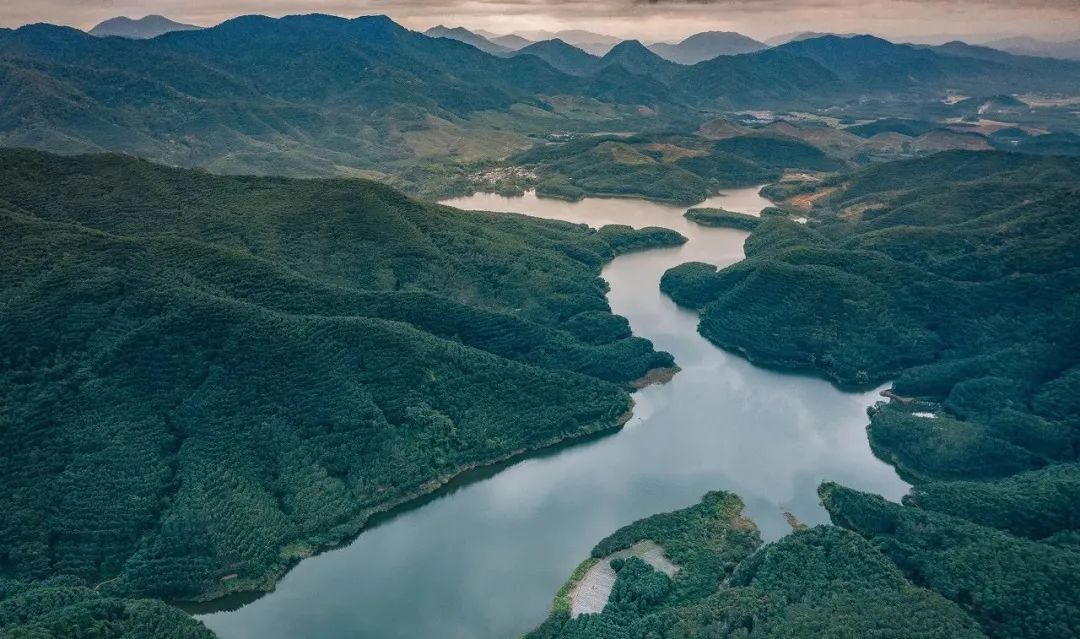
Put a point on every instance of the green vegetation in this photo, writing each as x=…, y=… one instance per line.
x=65, y=607
x=677, y=168
x=958, y=276
x=207, y=378
x=817, y=582
x=1038, y=504
x=309, y=96
x=1013, y=587
x=963, y=264
x=911, y=128
x=722, y=218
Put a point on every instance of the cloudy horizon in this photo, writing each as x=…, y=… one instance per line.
x=652, y=20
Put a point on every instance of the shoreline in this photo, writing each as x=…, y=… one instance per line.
x=219, y=600
x=223, y=600
x=598, y=195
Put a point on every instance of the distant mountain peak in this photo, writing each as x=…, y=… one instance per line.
x=561, y=55
x=626, y=48
x=706, y=46
x=461, y=34
x=149, y=26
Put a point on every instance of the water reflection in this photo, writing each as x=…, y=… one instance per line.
x=484, y=560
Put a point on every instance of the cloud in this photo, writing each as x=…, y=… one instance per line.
x=645, y=19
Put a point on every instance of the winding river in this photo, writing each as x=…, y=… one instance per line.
x=484, y=559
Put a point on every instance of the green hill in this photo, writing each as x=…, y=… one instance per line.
x=818, y=582
x=208, y=378
x=671, y=167
x=65, y=607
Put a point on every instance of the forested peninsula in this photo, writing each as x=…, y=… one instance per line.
x=208, y=378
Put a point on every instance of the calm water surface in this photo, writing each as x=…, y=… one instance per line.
x=484, y=560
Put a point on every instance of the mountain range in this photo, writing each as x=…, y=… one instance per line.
x=322, y=95
x=1023, y=45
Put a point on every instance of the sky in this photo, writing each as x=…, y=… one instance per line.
x=649, y=20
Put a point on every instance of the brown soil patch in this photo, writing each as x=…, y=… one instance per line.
x=656, y=376
x=806, y=201
x=673, y=153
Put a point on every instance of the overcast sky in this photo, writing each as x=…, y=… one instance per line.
x=642, y=19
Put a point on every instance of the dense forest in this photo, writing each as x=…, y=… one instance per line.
x=958, y=277
x=67, y=607
x=721, y=218
x=207, y=378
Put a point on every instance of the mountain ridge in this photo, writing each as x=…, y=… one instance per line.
x=149, y=26
x=706, y=46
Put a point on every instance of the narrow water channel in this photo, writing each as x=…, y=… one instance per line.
x=483, y=561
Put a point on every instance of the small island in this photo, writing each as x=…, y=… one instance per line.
x=722, y=218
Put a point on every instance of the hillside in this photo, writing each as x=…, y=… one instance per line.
x=209, y=378
x=820, y=582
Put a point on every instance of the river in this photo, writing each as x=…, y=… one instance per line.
x=484, y=559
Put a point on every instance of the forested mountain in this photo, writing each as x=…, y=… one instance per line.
x=958, y=277
x=208, y=378
x=706, y=46
x=769, y=77
x=564, y=57
x=639, y=60
x=146, y=27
